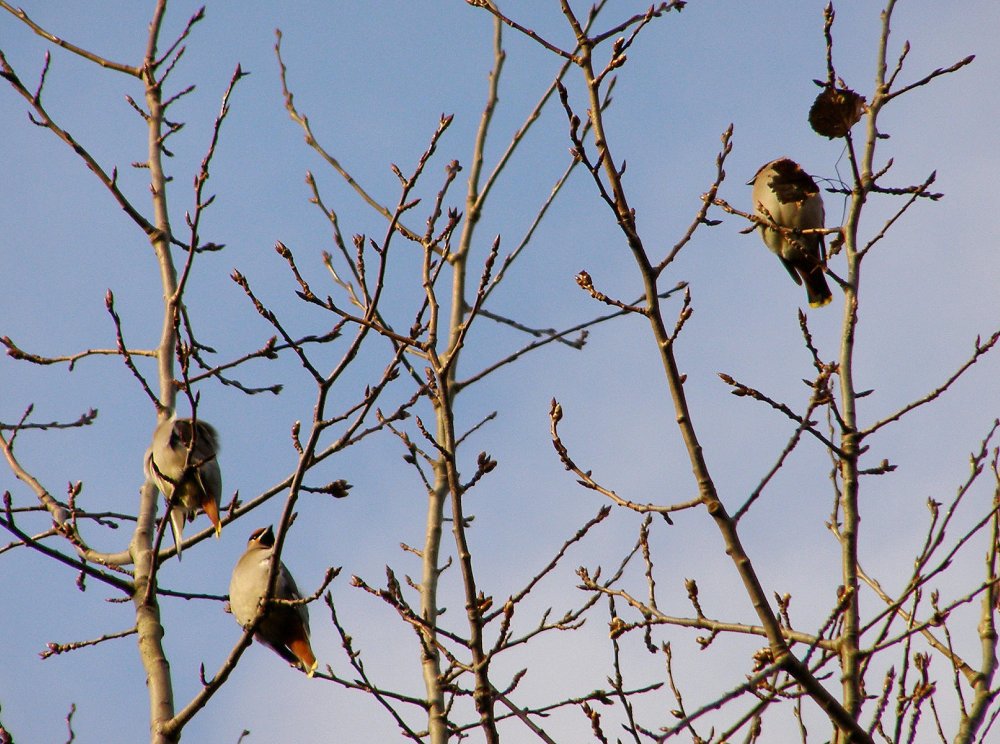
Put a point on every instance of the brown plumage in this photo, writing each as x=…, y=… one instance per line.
x=284, y=628
x=786, y=195
x=836, y=110
x=183, y=463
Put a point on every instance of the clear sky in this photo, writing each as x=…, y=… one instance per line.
x=374, y=79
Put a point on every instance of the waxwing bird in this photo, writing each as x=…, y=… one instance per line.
x=835, y=110
x=183, y=464
x=284, y=628
x=786, y=195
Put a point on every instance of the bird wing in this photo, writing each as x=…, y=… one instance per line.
x=285, y=588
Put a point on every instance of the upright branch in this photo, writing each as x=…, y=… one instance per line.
x=446, y=487
x=847, y=519
x=607, y=175
x=153, y=72
x=148, y=621
x=148, y=626
x=612, y=175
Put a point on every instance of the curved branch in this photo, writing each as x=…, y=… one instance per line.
x=62, y=43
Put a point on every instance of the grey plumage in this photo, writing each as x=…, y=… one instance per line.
x=786, y=195
x=284, y=628
x=183, y=463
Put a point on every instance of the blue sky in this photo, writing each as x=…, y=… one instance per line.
x=374, y=78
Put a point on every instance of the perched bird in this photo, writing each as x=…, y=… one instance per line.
x=836, y=110
x=183, y=464
x=285, y=628
x=786, y=195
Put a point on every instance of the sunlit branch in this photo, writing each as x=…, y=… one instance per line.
x=74, y=563
x=303, y=122
x=917, y=192
x=741, y=390
x=365, y=684
x=587, y=481
x=90, y=56
x=53, y=649
x=17, y=353
x=602, y=514
x=109, y=181
x=548, y=336
x=707, y=199
x=489, y=6
x=979, y=349
x=928, y=78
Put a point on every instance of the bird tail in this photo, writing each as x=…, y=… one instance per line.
x=211, y=509
x=303, y=652
x=177, y=527
x=817, y=290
